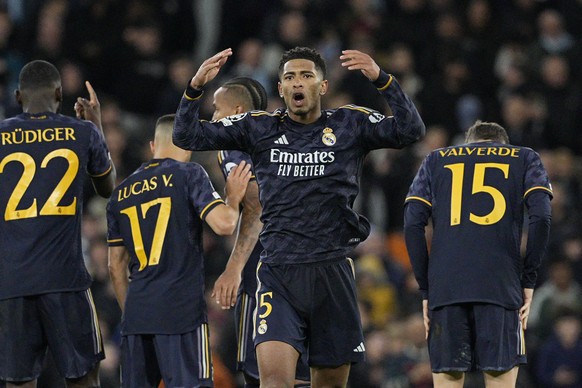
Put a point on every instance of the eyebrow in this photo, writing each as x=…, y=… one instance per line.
x=300, y=72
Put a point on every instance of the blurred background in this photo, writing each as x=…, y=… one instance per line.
x=516, y=62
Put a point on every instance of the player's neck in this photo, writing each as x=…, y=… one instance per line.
x=308, y=118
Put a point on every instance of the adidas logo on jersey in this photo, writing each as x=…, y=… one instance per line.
x=282, y=140
x=360, y=348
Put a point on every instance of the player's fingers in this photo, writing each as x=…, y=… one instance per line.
x=92, y=95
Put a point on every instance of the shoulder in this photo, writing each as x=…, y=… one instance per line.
x=356, y=110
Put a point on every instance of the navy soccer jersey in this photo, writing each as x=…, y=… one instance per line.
x=308, y=175
x=227, y=160
x=157, y=214
x=476, y=193
x=44, y=161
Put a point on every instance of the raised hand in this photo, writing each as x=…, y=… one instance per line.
x=210, y=68
x=89, y=109
x=237, y=181
x=357, y=60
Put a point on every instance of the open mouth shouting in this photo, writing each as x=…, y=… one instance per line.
x=298, y=99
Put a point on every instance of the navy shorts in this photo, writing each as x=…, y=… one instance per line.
x=469, y=337
x=313, y=307
x=181, y=360
x=246, y=356
x=65, y=322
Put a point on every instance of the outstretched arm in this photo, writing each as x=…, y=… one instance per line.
x=226, y=286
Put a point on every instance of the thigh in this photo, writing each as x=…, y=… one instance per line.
x=499, y=344
x=450, y=339
x=279, y=316
x=335, y=334
x=185, y=359
x=23, y=341
x=70, y=323
x=139, y=363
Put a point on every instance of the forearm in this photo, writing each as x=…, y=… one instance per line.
x=415, y=221
x=247, y=238
x=537, y=236
x=184, y=135
x=409, y=124
x=120, y=283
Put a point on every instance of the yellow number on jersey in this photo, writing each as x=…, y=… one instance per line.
x=159, y=231
x=51, y=207
x=479, y=186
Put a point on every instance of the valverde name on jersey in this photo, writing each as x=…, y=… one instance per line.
x=480, y=151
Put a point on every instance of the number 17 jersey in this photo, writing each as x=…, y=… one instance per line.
x=157, y=214
x=477, y=193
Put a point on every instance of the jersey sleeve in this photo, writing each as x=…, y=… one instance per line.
x=421, y=188
x=536, y=177
x=397, y=131
x=114, y=237
x=99, y=160
x=191, y=133
x=201, y=191
x=227, y=160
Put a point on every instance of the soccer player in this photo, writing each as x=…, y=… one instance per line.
x=307, y=164
x=45, y=300
x=477, y=289
x=155, y=219
x=236, y=96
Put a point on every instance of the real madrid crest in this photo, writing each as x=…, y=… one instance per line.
x=328, y=137
x=262, y=329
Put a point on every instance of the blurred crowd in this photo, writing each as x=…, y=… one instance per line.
x=511, y=61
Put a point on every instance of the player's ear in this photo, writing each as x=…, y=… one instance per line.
x=59, y=94
x=153, y=146
x=18, y=97
x=323, y=87
x=280, y=89
x=238, y=110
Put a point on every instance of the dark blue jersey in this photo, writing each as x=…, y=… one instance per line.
x=475, y=194
x=308, y=175
x=44, y=161
x=227, y=160
x=157, y=214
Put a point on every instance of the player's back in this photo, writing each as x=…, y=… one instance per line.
x=156, y=214
x=44, y=161
x=477, y=193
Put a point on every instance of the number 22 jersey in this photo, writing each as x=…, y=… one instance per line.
x=44, y=161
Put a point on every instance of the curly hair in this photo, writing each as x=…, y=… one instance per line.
x=303, y=53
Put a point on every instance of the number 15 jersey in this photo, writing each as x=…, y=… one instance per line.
x=476, y=193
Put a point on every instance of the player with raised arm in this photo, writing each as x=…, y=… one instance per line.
x=237, y=285
x=307, y=164
x=45, y=300
x=155, y=219
x=477, y=288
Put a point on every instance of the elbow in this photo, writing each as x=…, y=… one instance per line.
x=225, y=228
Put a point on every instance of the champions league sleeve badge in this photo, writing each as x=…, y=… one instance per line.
x=328, y=137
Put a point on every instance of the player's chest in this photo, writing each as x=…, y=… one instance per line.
x=307, y=152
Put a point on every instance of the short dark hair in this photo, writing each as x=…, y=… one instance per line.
x=483, y=130
x=39, y=74
x=166, y=120
x=250, y=91
x=303, y=53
